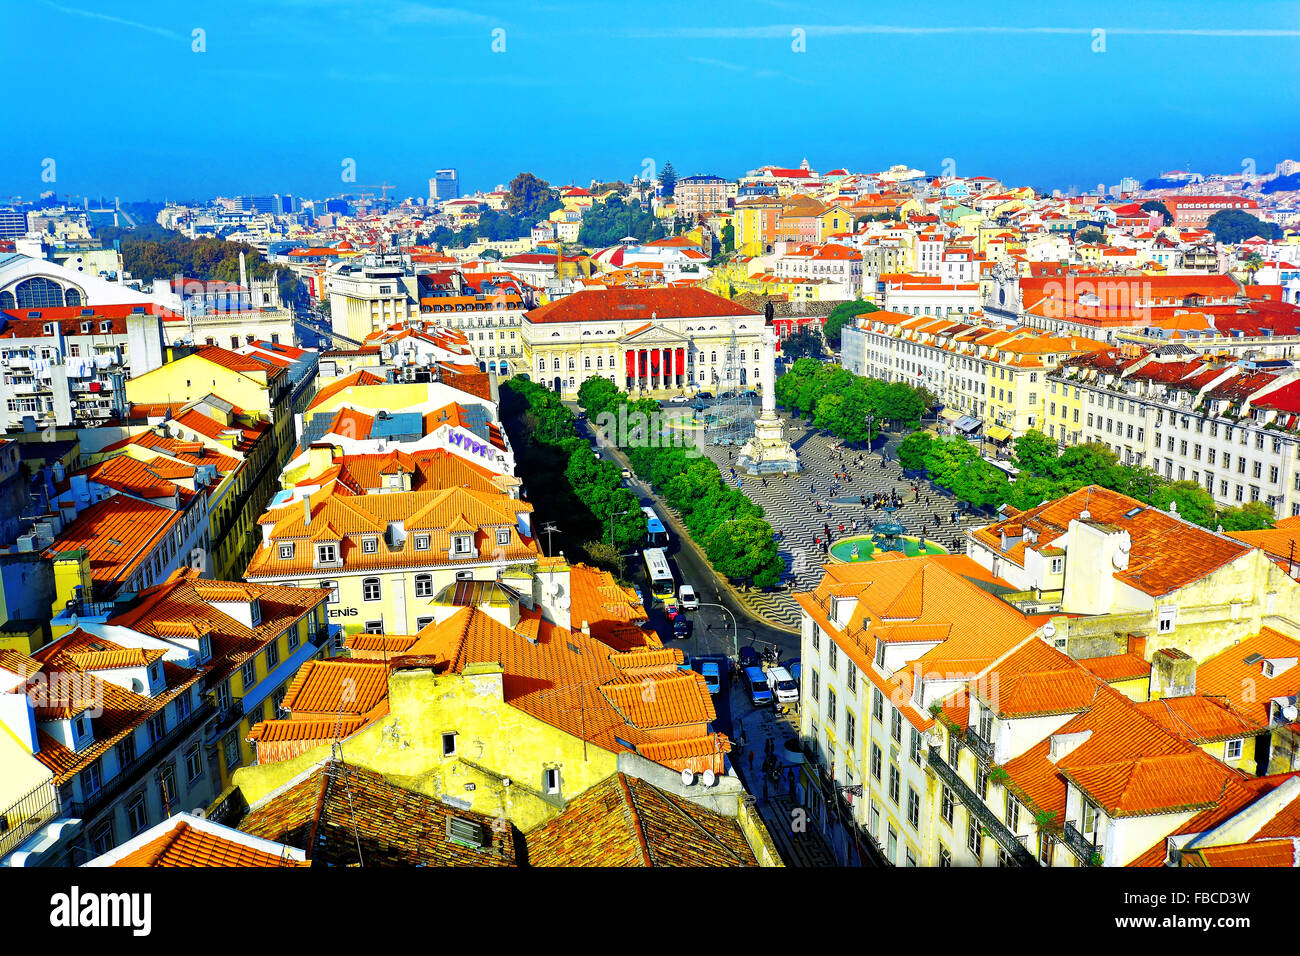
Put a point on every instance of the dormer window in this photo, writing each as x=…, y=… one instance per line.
x=369, y=545
x=1269, y=669
x=205, y=648
x=503, y=536
x=421, y=542
x=326, y=553
x=255, y=611
x=462, y=545
x=286, y=552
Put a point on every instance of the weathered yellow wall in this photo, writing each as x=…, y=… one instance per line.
x=494, y=740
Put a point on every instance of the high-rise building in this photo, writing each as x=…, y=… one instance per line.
x=13, y=222
x=284, y=204
x=444, y=185
x=255, y=204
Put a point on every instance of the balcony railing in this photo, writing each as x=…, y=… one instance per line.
x=1080, y=845
x=140, y=767
x=1019, y=854
x=982, y=748
x=27, y=815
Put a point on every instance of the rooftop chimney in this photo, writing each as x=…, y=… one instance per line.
x=306, y=510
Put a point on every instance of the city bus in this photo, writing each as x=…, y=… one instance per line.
x=656, y=535
x=659, y=576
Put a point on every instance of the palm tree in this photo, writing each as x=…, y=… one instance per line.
x=1254, y=262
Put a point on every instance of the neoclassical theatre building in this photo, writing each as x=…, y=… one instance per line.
x=658, y=342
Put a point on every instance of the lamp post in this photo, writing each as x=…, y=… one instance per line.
x=735, y=640
x=612, y=516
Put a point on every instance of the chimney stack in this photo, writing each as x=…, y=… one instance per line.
x=306, y=511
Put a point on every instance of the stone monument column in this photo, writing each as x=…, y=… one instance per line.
x=768, y=451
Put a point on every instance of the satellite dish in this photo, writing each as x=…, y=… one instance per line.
x=709, y=778
x=1049, y=629
x=688, y=778
x=1290, y=712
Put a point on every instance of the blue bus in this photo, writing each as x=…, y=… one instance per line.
x=656, y=535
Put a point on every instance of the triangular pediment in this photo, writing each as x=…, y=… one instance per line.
x=654, y=335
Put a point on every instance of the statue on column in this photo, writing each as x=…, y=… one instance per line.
x=768, y=451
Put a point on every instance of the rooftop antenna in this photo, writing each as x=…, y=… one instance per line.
x=548, y=528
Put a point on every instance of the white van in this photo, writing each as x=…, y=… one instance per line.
x=783, y=686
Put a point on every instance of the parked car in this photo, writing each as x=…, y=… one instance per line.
x=679, y=399
x=795, y=668
x=749, y=658
x=707, y=396
x=627, y=475
x=687, y=598
x=681, y=626
x=712, y=676
x=783, y=686
x=759, y=692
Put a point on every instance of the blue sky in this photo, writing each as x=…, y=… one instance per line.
x=286, y=90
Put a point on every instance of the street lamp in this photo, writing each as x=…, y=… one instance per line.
x=612, y=516
x=735, y=640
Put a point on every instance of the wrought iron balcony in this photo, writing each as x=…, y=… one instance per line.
x=1080, y=845
x=968, y=798
x=27, y=815
x=982, y=749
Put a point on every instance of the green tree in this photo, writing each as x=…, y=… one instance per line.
x=1194, y=502
x=1035, y=453
x=981, y=483
x=804, y=342
x=728, y=237
x=1252, y=516
x=597, y=395
x=946, y=457
x=744, y=550
x=527, y=195
x=1158, y=206
x=668, y=179
x=1088, y=464
x=1231, y=226
x=1091, y=234
x=842, y=315
x=913, y=449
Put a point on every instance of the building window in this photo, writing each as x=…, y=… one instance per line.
x=1013, y=814
x=370, y=589
x=1044, y=849
x=334, y=591
x=878, y=705
x=896, y=725
x=286, y=552
x=125, y=751
x=1166, y=616
x=369, y=545
x=421, y=542
x=135, y=814
x=193, y=764
x=101, y=838
x=230, y=748
x=945, y=856
x=875, y=761
x=946, y=806
x=894, y=778
x=974, y=838
x=424, y=585
x=913, y=808
x=1233, y=749
x=551, y=780
x=449, y=744
x=248, y=674
x=503, y=536
x=326, y=553
x=272, y=655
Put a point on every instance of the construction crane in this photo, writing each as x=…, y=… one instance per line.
x=382, y=187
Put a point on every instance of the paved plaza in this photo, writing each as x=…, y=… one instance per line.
x=790, y=507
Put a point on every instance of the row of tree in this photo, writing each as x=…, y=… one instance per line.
x=530, y=199
x=728, y=525
x=849, y=406
x=1047, y=473
x=579, y=489
x=163, y=254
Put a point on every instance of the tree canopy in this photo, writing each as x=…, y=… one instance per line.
x=842, y=315
x=1236, y=225
x=604, y=224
